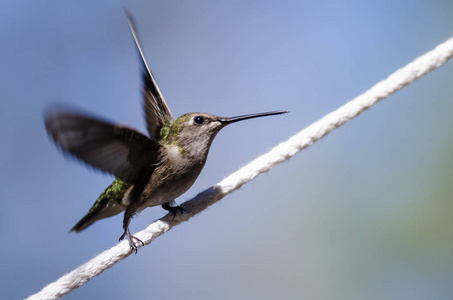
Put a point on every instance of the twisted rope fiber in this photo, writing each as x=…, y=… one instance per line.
x=402, y=77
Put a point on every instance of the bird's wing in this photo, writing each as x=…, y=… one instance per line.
x=115, y=149
x=157, y=112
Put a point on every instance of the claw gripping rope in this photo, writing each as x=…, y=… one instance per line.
x=402, y=77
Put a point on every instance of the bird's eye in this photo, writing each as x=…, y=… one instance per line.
x=199, y=120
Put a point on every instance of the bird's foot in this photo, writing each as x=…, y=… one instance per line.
x=173, y=209
x=133, y=241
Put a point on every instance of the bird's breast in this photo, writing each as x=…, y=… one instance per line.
x=173, y=177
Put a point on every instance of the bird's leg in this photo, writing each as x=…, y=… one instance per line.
x=132, y=239
x=173, y=209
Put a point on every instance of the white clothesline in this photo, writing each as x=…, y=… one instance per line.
x=282, y=152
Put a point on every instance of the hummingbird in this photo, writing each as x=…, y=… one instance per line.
x=151, y=169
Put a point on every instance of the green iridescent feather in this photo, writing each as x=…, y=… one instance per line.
x=115, y=192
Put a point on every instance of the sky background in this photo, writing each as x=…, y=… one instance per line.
x=365, y=213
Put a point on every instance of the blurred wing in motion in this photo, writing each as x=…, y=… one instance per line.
x=157, y=112
x=115, y=149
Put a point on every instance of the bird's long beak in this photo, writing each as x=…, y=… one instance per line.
x=226, y=121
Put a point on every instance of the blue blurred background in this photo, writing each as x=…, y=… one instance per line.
x=366, y=213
